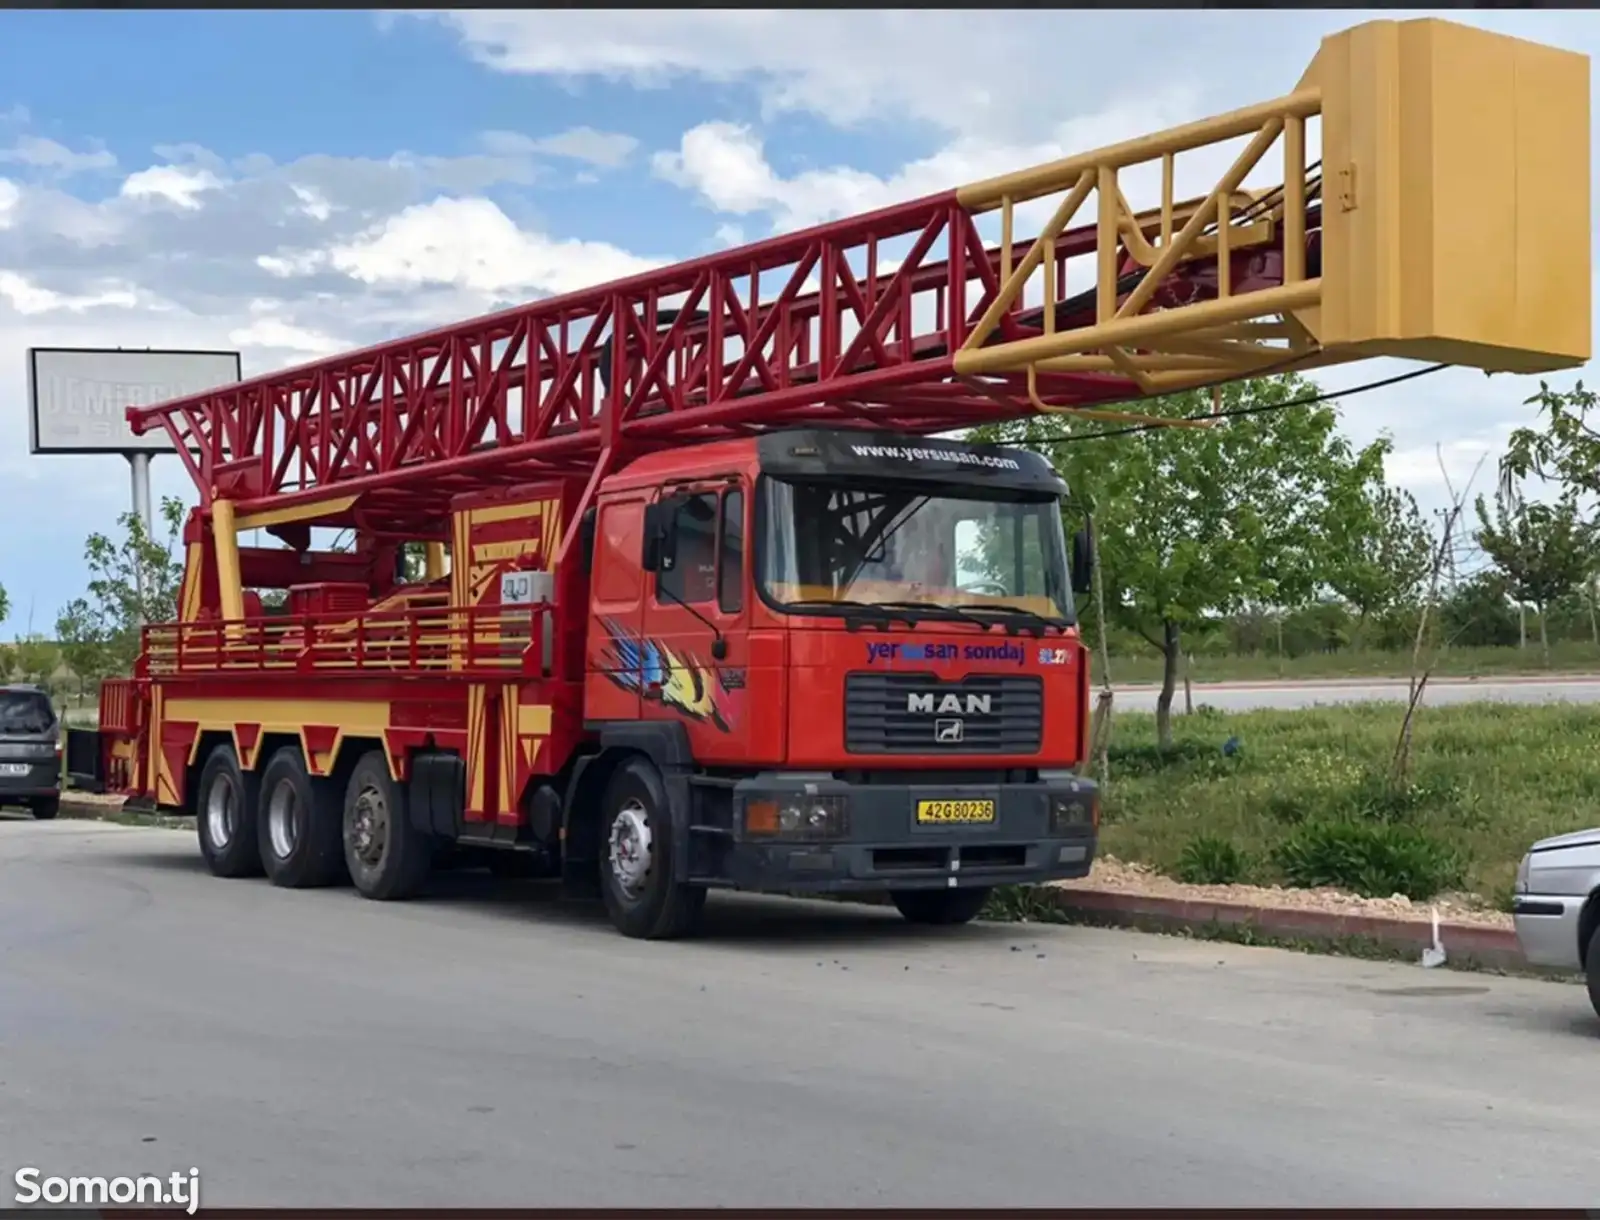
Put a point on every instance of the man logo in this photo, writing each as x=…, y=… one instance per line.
x=946, y=705
x=948, y=732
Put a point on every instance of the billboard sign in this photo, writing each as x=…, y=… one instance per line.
x=77, y=397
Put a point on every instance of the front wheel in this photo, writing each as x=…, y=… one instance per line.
x=636, y=859
x=943, y=907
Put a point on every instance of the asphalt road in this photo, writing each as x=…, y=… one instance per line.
x=1288, y=696
x=489, y=1046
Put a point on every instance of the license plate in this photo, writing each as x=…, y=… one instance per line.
x=14, y=768
x=955, y=811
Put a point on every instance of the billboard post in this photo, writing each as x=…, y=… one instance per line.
x=78, y=399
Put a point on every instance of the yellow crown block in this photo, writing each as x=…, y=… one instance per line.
x=1456, y=221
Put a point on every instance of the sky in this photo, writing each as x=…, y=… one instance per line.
x=293, y=184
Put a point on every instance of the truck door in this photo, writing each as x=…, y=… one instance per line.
x=695, y=609
x=616, y=662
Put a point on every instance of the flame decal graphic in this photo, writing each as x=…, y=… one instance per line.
x=650, y=669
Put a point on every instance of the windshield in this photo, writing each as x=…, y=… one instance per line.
x=24, y=712
x=829, y=542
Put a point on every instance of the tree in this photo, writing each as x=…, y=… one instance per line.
x=1543, y=550
x=1565, y=451
x=1478, y=613
x=88, y=655
x=1379, y=548
x=1196, y=522
x=37, y=659
x=5, y=604
x=131, y=582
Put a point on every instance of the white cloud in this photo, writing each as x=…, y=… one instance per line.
x=992, y=72
x=605, y=149
x=27, y=297
x=38, y=152
x=961, y=71
x=172, y=184
x=471, y=243
x=312, y=202
x=726, y=165
x=275, y=334
x=10, y=196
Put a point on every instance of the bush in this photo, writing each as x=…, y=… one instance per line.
x=1373, y=859
x=1195, y=759
x=1210, y=860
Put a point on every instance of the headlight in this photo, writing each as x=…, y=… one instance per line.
x=1074, y=810
x=797, y=817
x=1523, y=870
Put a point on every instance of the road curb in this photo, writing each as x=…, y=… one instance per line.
x=1466, y=946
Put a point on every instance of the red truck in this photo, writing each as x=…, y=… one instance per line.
x=708, y=596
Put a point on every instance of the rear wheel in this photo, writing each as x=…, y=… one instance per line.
x=225, y=816
x=387, y=856
x=46, y=807
x=298, y=825
x=636, y=860
x=942, y=907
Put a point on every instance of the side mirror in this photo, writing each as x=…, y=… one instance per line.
x=660, y=538
x=1083, y=559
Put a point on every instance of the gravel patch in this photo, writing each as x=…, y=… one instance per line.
x=1118, y=876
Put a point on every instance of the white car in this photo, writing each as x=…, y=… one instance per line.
x=1557, y=905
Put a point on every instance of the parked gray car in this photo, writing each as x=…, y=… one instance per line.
x=1557, y=905
x=30, y=750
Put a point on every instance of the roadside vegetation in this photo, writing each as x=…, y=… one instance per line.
x=1565, y=658
x=1307, y=799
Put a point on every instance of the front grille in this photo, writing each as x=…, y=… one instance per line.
x=879, y=716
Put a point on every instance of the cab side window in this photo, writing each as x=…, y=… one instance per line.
x=708, y=531
x=692, y=578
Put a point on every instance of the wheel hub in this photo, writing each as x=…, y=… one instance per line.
x=369, y=827
x=631, y=843
x=283, y=823
x=222, y=812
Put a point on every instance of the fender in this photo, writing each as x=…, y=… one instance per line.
x=666, y=744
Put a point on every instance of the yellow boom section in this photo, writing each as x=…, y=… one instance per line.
x=1452, y=223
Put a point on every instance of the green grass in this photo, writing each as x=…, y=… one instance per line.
x=1306, y=800
x=1136, y=667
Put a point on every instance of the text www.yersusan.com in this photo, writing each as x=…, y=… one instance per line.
x=149, y=1190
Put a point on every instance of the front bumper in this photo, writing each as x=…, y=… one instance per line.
x=1043, y=831
x=1547, y=929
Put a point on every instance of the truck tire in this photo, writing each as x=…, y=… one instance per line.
x=942, y=907
x=389, y=859
x=636, y=862
x=298, y=826
x=46, y=807
x=225, y=816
